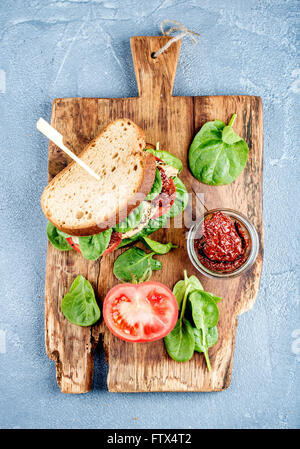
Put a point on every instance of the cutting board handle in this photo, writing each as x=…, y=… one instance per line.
x=154, y=76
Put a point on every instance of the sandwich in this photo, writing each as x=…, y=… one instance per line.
x=138, y=192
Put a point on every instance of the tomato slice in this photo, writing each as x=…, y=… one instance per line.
x=140, y=312
x=115, y=241
x=166, y=198
x=73, y=244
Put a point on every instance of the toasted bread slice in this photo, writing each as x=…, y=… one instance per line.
x=79, y=205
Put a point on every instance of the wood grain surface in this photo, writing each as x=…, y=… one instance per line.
x=173, y=121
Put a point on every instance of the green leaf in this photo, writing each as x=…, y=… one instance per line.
x=181, y=199
x=132, y=221
x=180, y=287
x=195, y=283
x=229, y=136
x=211, y=338
x=204, y=309
x=205, y=314
x=56, y=239
x=179, y=291
x=79, y=306
x=180, y=342
x=93, y=246
x=135, y=266
x=156, y=187
x=210, y=131
x=167, y=158
x=217, y=156
x=157, y=247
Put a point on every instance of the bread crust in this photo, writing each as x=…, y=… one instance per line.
x=143, y=190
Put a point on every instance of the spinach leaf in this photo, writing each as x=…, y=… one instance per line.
x=195, y=283
x=205, y=315
x=211, y=336
x=181, y=286
x=180, y=342
x=156, y=187
x=180, y=345
x=179, y=291
x=135, y=266
x=157, y=247
x=204, y=310
x=56, y=239
x=132, y=221
x=167, y=158
x=217, y=155
x=79, y=306
x=93, y=246
x=228, y=135
x=181, y=199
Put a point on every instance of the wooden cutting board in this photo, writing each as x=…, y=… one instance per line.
x=173, y=121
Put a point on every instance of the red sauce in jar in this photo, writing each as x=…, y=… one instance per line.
x=224, y=245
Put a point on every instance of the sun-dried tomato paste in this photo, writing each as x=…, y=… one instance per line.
x=224, y=245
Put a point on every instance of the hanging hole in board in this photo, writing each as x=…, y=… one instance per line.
x=153, y=55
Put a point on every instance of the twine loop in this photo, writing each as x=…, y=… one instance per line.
x=177, y=26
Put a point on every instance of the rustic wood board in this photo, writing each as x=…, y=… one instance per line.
x=173, y=121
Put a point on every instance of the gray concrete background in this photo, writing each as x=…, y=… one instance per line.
x=72, y=48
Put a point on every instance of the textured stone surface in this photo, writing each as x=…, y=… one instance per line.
x=81, y=48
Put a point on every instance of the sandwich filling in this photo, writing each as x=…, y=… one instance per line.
x=167, y=198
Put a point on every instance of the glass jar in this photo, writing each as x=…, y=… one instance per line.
x=196, y=231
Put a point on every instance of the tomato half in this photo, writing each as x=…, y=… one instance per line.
x=115, y=241
x=73, y=244
x=166, y=198
x=140, y=312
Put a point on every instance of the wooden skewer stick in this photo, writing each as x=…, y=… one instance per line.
x=50, y=132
